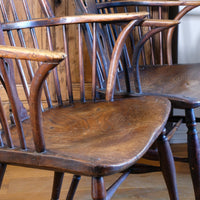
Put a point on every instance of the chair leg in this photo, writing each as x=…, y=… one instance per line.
x=167, y=166
x=98, y=188
x=2, y=172
x=73, y=187
x=58, y=178
x=193, y=151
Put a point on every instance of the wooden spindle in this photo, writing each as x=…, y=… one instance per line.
x=112, y=189
x=151, y=40
x=100, y=73
x=12, y=95
x=5, y=126
x=140, y=36
x=81, y=65
x=12, y=41
x=94, y=61
x=161, y=36
x=67, y=66
x=22, y=41
x=36, y=45
x=74, y=184
x=55, y=72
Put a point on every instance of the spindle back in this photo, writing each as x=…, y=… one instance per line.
x=156, y=50
x=34, y=65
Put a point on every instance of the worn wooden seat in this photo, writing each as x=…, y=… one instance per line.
x=160, y=80
x=159, y=76
x=94, y=139
x=55, y=132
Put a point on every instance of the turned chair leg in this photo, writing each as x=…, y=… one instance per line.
x=2, y=172
x=98, y=188
x=167, y=166
x=73, y=187
x=193, y=151
x=58, y=179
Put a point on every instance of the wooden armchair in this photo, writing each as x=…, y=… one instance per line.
x=56, y=133
x=143, y=72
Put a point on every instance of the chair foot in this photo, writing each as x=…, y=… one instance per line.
x=98, y=188
x=193, y=151
x=57, y=183
x=2, y=172
x=167, y=166
x=73, y=187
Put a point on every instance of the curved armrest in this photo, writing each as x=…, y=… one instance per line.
x=35, y=105
x=30, y=54
x=47, y=58
x=118, y=49
x=78, y=19
x=188, y=6
x=120, y=3
x=160, y=23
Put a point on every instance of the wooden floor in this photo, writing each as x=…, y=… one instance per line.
x=28, y=184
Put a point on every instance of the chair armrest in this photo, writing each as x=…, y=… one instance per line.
x=120, y=3
x=118, y=49
x=48, y=59
x=78, y=19
x=30, y=54
x=160, y=23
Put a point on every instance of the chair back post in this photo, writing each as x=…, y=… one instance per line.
x=115, y=58
x=35, y=109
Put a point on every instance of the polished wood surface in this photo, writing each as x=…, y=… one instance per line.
x=105, y=122
x=31, y=184
x=185, y=77
x=30, y=54
x=160, y=80
x=74, y=20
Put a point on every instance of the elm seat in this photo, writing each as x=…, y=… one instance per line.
x=161, y=80
x=82, y=133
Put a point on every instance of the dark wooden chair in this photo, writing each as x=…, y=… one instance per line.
x=102, y=72
x=142, y=71
x=93, y=138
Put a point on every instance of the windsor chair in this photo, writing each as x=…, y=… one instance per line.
x=142, y=71
x=86, y=138
x=168, y=172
